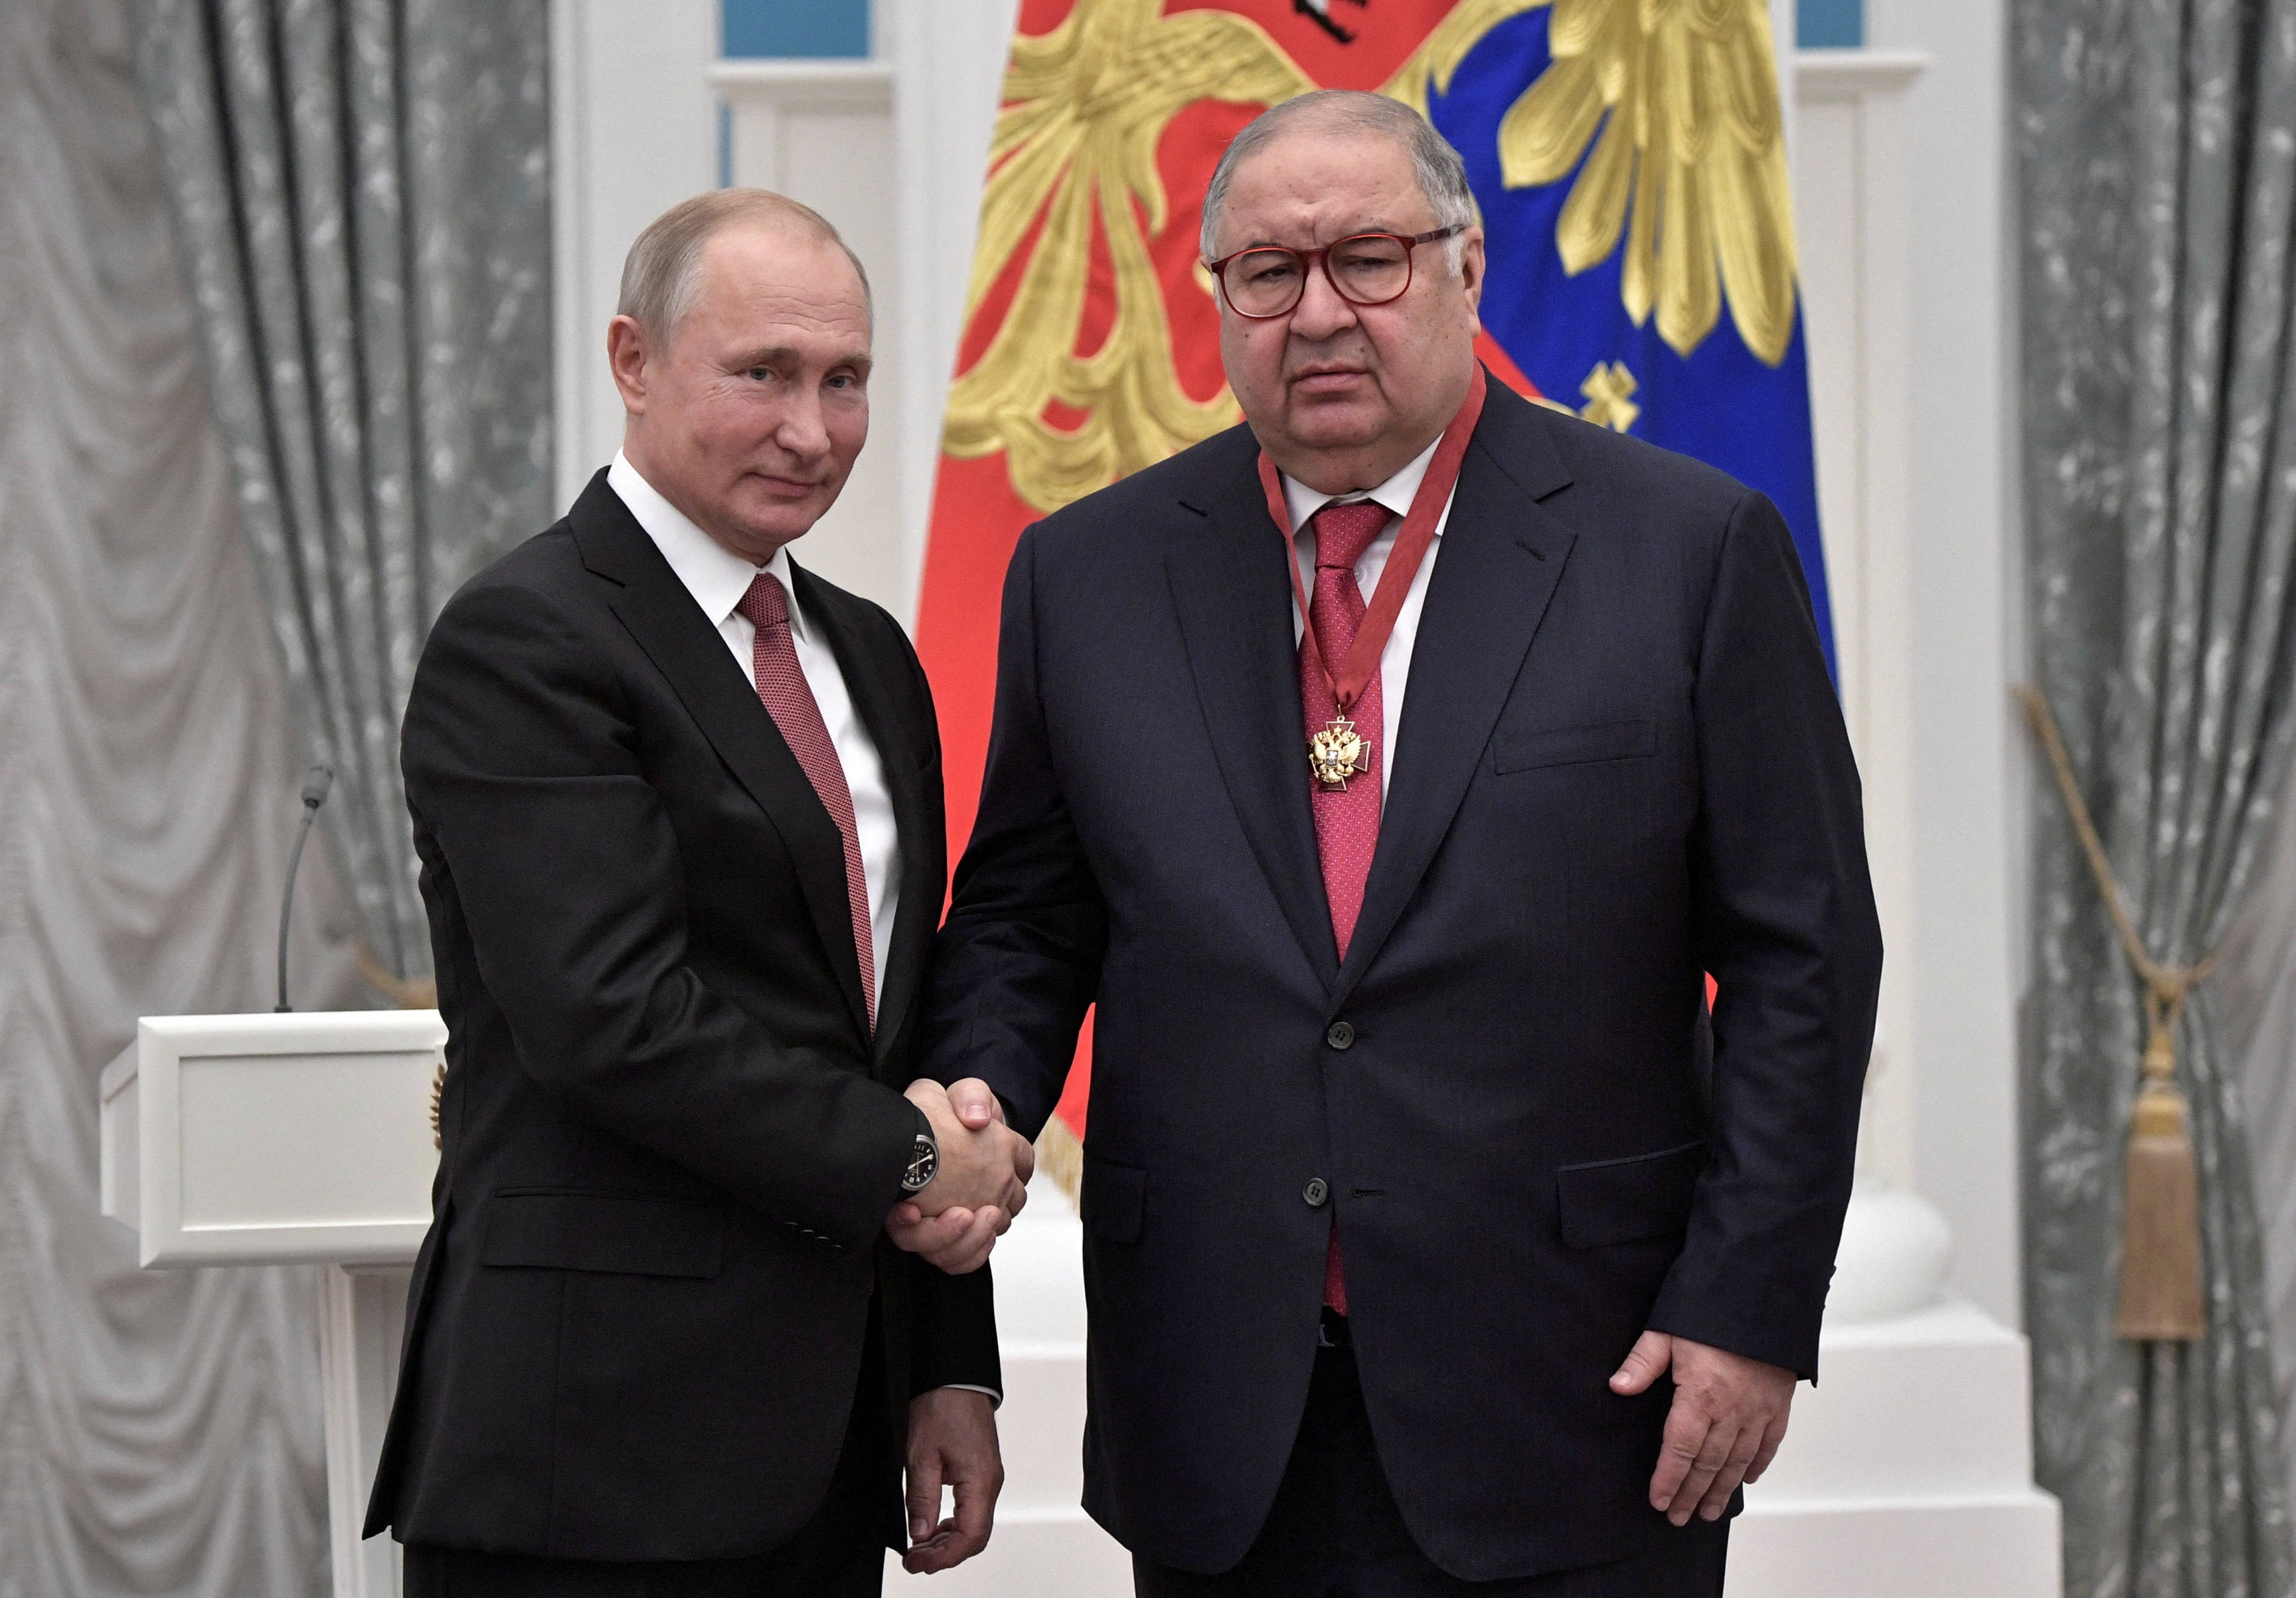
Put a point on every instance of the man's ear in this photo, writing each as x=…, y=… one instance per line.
x=1470, y=268
x=626, y=354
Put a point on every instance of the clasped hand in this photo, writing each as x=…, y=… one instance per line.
x=981, y=1184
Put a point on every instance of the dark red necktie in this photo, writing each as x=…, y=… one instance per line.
x=789, y=699
x=1347, y=820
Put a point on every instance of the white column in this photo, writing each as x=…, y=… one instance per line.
x=949, y=57
x=821, y=133
x=1850, y=201
x=362, y=1321
x=633, y=130
x=1963, y=949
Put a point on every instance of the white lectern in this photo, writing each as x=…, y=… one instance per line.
x=291, y=1139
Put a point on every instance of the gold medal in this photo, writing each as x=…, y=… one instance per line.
x=1336, y=752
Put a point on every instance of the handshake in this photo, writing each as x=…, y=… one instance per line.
x=981, y=1184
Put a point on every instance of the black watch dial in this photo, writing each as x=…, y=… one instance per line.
x=922, y=1163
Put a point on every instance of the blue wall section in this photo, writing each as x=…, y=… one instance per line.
x=818, y=27
x=1819, y=23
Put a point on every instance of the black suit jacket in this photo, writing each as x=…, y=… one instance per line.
x=1621, y=766
x=669, y=1144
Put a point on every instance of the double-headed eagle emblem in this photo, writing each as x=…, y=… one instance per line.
x=1336, y=752
x=1676, y=101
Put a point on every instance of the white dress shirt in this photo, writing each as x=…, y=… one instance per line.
x=718, y=578
x=1395, y=658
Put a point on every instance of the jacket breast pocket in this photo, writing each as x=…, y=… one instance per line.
x=1622, y=1200
x=562, y=1230
x=1114, y=1203
x=1573, y=746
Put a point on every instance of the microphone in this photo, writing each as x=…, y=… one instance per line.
x=317, y=781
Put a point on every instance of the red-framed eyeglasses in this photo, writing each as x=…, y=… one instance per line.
x=1266, y=281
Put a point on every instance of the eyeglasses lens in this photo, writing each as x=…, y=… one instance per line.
x=1266, y=283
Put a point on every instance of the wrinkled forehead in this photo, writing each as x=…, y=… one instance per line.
x=1313, y=185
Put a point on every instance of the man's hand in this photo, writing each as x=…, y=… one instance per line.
x=981, y=1184
x=1728, y=1418
x=952, y=1441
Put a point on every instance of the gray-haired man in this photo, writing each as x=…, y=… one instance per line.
x=1426, y=1258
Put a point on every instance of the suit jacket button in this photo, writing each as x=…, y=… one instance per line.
x=1317, y=1191
x=1342, y=1035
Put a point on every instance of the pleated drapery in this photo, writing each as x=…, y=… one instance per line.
x=2157, y=163
x=2258, y=990
x=361, y=195
x=160, y=1430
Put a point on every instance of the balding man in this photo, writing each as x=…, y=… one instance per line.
x=679, y=807
x=1391, y=770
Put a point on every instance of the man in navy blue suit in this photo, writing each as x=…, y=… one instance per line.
x=1392, y=771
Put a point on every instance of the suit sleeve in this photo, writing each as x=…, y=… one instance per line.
x=1018, y=961
x=520, y=758
x=1785, y=925
x=954, y=1340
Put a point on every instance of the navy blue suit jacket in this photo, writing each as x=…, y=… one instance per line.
x=1621, y=766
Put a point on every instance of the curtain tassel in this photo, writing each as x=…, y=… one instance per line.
x=2161, y=1298
x=2160, y=1206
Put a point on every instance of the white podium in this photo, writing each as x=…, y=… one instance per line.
x=291, y=1139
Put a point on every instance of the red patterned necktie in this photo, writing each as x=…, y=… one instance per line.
x=789, y=699
x=1347, y=820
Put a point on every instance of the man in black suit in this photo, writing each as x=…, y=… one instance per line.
x=1408, y=1122
x=678, y=808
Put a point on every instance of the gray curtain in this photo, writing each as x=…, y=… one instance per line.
x=2157, y=167
x=158, y=1430
x=2258, y=988
x=361, y=195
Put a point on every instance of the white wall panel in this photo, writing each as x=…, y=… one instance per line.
x=634, y=131
x=1849, y=203
x=1965, y=942
x=821, y=133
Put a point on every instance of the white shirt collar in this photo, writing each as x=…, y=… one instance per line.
x=712, y=573
x=1396, y=493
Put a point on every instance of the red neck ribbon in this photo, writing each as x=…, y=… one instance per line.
x=1411, y=544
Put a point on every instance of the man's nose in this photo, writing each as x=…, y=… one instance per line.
x=1323, y=311
x=802, y=431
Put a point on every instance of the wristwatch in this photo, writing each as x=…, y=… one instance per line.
x=924, y=1159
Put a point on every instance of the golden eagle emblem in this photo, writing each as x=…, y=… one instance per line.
x=1336, y=752
x=1084, y=107
x=1679, y=99
x=1676, y=99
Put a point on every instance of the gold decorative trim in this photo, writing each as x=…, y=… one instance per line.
x=1610, y=392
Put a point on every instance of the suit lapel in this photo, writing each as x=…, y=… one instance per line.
x=920, y=889
x=1235, y=604
x=1499, y=559
x=661, y=616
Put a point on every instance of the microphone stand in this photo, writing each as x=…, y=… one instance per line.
x=317, y=781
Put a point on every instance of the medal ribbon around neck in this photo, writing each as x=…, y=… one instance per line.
x=1411, y=544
